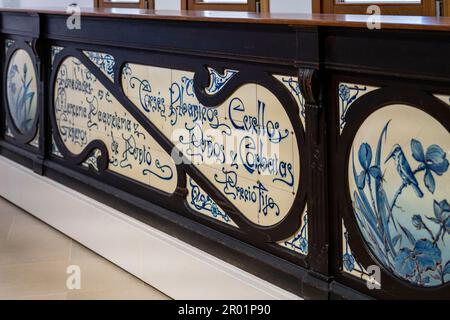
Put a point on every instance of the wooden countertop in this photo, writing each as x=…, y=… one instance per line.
x=357, y=21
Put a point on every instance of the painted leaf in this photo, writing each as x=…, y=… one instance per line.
x=429, y=181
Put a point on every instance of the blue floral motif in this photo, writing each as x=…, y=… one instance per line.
x=433, y=161
x=294, y=86
x=365, y=159
x=419, y=261
x=412, y=264
x=300, y=241
x=21, y=86
x=348, y=95
x=348, y=260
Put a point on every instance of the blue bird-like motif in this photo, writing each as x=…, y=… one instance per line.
x=404, y=169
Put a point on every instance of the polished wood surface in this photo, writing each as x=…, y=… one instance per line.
x=333, y=20
x=201, y=5
x=142, y=4
x=425, y=8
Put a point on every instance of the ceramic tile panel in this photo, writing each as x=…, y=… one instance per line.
x=35, y=141
x=400, y=185
x=349, y=263
x=21, y=90
x=104, y=61
x=218, y=80
x=55, y=150
x=225, y=141
x=149, y=90
x=299, y=241
x=8, y=44
x=8, y=131
x=91, y=161
x=277, y=148
x=443, y=98
x=201, y=202
x=348, y=93
x=85, y=111
x=291, y=83
x=54, y=51
x=260, y=205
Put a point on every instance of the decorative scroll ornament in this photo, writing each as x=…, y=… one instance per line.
x=348, y=94
x=350, y=264
x=218, y=81
x=300, y=241
x=292, y=84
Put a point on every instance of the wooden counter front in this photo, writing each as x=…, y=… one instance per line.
x=306, y=149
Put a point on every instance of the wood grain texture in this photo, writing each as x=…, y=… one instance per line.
x=331, y=20
x=201, y=5
x=425, y=8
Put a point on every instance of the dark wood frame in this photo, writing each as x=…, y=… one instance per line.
x=426, y=8
x=142, y=4
x=199, y=5
x=321, y=57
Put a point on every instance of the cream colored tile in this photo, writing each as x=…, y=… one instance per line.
x=162, y=172
x=291, y=83
x=56, y=296
x=201, y=202
x=149, y=90
x=7, y=215
x=32, y=279
x=100, y=274
x=240, y=110
x=32, y=241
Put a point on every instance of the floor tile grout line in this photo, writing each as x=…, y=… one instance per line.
x=11, y=227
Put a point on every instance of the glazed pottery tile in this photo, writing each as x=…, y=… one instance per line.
x=162, y=171
x=130, y=147
x=299, y=242
x=349, y=93
x=104, y=61
x=200, y=201
x=21, y=90
x=409, y=166
x=291, y=83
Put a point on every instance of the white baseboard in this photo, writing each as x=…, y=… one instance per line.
x=176, y=268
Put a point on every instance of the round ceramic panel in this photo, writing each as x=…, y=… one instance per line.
x=399, y=184
x=21, y=90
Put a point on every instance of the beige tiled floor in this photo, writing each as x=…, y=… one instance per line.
x=34, y=258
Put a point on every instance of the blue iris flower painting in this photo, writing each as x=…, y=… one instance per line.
x=410, y=242
x=21, y=91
